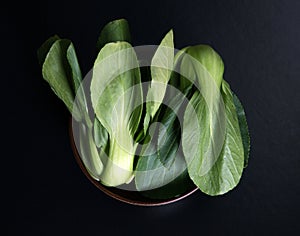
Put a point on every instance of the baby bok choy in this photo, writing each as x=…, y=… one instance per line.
x=116, y=94
x=214, y=152
x=185, y=128
x=61, y=70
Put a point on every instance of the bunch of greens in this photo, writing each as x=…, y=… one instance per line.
x=200, y=138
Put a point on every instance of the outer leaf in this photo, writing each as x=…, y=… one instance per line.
x=116, y=76
x=204, y=120
x=75, y=69
x=89, y=153
x=210, y=60
x=226, y=172
x=116, y=94
x=44, y=49
x=56, y=71
x=100, y=134
x=161, y=167
x=77, y=86
x=161, y=68
x=61, y=70
x=176, y=80
x=243, y=128
x=152, y=174
x=117, y=30
x=169, y=132
x=177, y=187
x=168, y=138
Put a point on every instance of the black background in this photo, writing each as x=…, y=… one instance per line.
x=259, y=42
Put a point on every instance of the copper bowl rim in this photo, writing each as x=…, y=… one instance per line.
x=111, y=191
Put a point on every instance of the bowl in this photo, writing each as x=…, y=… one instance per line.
x=130, y=197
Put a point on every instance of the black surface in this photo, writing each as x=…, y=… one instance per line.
x=259, y=42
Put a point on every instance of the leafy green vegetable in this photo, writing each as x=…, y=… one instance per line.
x=161, y=67
x=178, y=80
x=56, y=71
x=225, y=174
x=75, y=69
x=243, y=128
x=210, y=60
x=89, y=153
x=116, y=94
x=209, y=150
x=161, y=166
x=180, y=185
x=44, y=49
x=214, y=164
x=61, y=70
x=100, y=134
x=204, y=120
x=114, y=31
x=151, y=173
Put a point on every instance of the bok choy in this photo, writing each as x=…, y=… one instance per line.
x=182, y=127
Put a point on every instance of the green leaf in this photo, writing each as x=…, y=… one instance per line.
x=175, y=188
x=100, y=134
x=225, y=174
x=204, y=119
x=44, y=49
x=209, y=59
x=77, y=85
x=168, y=142
x=116, y=96
x=151, y=174
x=161, y=68
x=161, y=168
x=116, y=85
x=169, y=132
x=114, y=31
x=56, y=71
x=243, y=128
x=61, y=70
x=177, y=80
x=88, y=152
x=75, y=69
x=155, y=180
